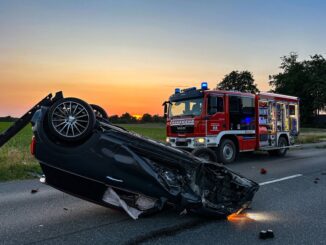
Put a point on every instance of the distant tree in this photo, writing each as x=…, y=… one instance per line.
x=146, y=118
x=316, y=68
x=127, y=118
x=241, y=81
x=114, y=119
x=158, y=119
x=8, y=119
x=306, y=80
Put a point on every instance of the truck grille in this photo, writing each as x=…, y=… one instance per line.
x=182, y=129
x=181, y=143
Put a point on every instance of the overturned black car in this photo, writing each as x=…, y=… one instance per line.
x=83, y=154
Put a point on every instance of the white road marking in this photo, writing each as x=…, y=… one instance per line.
x=281, y=179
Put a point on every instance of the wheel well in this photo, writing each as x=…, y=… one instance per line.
x=233, y=138
x=286, y=138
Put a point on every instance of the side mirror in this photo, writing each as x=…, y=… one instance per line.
x=165, y=104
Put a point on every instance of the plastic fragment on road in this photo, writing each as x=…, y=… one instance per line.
x=263, y=171
x=270, y=233
x=266, y=234
x=33, y=191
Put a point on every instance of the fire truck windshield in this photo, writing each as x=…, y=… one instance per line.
x=189, y=107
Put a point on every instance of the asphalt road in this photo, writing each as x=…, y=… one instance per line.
x=294, y=208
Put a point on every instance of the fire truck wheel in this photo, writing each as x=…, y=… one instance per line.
x=205, y=153
x=71, y=120
x=280, y=152
x=99, y=112
x=227, y=151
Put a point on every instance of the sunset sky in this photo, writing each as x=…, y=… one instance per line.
x=130, y=55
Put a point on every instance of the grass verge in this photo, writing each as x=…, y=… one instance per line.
x=311, y=135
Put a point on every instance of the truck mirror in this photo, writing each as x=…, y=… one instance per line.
x=165, y=104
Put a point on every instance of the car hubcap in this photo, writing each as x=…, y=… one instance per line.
x=228, y=152
x=70, y=119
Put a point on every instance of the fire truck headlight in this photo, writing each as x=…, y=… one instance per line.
x=200, y=140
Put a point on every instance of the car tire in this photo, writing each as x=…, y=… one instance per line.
x=280, y=152
x=71, y=120
x=226, y=151
x=99, y=112
x=205, y=153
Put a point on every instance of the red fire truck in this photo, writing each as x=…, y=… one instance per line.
x=217, y=125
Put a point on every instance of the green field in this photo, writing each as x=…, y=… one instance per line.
x=16, y=162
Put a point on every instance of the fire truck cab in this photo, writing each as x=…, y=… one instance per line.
x=217, y=125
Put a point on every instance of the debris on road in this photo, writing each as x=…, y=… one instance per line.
x=263, y=234
x=270, y=233
x=33, y=191
x=263, y=171
x=266, y=234
x=66, y=209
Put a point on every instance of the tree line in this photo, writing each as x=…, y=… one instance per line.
x=8, y=119
x=305, y=79
x=128, y=118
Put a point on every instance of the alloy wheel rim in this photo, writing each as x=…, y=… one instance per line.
x=70, y=119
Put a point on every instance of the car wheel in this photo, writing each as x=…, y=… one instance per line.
x=280, y=152
x=71, y=120
x=205, y=153
x=99, y=112
x=227, y=151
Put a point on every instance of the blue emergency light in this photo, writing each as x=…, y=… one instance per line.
x=177, y=91
x=204, y=85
